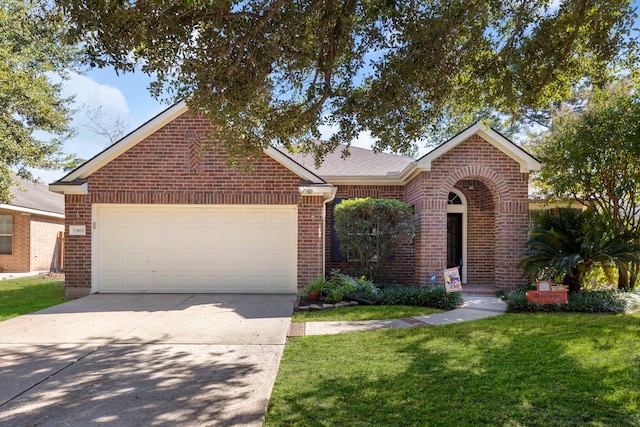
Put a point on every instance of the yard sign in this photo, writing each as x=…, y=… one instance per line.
x=452, y=282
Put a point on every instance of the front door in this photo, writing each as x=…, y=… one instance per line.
x=454, y=240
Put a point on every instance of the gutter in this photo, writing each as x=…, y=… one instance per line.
x=330, y=198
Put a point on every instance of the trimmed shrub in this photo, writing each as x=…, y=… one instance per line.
x=371, y=230
x=434, y=297
x=607, y=301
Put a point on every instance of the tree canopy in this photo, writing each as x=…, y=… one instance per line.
x=590, y=155
x=34, y=118
x=273, y=71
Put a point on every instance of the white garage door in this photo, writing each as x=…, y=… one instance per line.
x=194, y=248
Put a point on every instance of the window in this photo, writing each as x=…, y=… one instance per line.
x=336, y=255
x=454, y=199
x=6, y=234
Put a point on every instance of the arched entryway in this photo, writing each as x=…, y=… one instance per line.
x=477, y=211
x=457, y=232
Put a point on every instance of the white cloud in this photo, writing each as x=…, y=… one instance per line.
x=93, y=94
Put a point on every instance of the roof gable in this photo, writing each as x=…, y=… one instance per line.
x=527, y=162
x=124, y=144
x=362, y=166
x=75, y=181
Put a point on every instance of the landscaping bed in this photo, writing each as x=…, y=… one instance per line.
x=585, y=301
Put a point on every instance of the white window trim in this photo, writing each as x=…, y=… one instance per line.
x=9, y=234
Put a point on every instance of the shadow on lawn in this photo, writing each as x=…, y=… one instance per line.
x=478, y=373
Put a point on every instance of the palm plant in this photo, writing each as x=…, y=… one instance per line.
x=567, y=245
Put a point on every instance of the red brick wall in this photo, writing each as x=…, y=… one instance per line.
x=19, y=258
x=310, y=235
x=431, y=217
x=167, y=168
x=77, y=249
x=45, y=252
x=401, y=269
x=505, y=189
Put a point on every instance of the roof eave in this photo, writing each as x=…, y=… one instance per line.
x=527, y=162
x=69, y=187
x=364, y=180
x=293, y=166
x=31, y=211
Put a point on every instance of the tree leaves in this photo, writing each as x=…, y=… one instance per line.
x=589, y=156
x=31, y=51
x=273, y=71
x=569, y=244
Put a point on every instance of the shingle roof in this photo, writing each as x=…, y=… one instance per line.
x=361, y=162
x=35, y=196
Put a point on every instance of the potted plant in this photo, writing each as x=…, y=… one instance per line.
x=314, y=288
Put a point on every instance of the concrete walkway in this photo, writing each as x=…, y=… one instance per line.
x=5, y=275
x=474, y=307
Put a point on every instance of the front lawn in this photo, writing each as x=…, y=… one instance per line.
x=362, y=312
x=559, y=369
x=26, y=295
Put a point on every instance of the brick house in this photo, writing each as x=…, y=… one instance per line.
x=31, y=227
x=159, y=212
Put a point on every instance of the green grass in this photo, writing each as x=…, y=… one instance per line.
x=557, y=369
x=362, y=312
x=21, y=296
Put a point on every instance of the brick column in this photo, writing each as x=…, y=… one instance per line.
x=310, y=236
x=431, y=241
x=77, y=249
x=512, y=220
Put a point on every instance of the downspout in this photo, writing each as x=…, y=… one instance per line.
x=329, y=198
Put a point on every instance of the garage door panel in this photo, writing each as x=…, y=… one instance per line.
x=163, y=248
x=234, y=216
x=184, y=259
x=258, y=217
x=209, y=217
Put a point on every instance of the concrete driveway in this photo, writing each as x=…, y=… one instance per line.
x=132, y=360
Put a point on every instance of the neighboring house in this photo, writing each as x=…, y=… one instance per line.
x=159, y=212
x=539, y=205
x=31, y=228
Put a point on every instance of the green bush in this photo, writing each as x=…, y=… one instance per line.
x=371, y=231
x=606, y=301
x=340, y=285
x=434, y=297
x=517, y=302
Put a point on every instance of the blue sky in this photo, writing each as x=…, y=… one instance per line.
x=123, y=96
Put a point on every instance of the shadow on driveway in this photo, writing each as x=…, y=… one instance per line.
x=200, y=360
